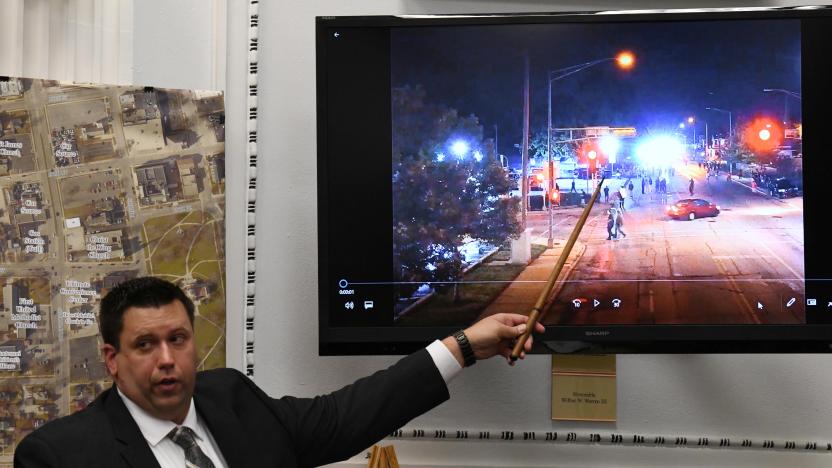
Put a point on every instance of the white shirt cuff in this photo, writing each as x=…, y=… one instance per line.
x=444, y=360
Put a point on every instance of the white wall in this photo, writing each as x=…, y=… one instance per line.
x=176, y=45
x=760, y=396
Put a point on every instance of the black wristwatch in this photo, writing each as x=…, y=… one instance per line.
x=465, y=346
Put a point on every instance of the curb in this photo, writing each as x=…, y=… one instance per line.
x=759, y=192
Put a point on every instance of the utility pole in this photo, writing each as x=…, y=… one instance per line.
x=525, y=151
x=550, y=241
x=706, y=141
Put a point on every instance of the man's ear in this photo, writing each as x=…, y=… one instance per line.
x=109, y=352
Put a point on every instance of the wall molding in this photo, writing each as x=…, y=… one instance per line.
x=251, y=184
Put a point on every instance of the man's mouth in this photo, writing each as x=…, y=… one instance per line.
x=167, y=384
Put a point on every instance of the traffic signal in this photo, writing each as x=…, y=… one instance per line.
x=555, y=196
x=764, y=135
x=591, y=155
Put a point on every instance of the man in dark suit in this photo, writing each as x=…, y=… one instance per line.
x=161, y=413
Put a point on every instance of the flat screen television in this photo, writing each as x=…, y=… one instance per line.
x=456, y=153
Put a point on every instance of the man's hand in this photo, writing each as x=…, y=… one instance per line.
x=494, y=335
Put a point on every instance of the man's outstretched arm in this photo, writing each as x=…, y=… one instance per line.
x=333, y=427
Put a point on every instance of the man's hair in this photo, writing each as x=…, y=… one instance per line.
x=138, y=292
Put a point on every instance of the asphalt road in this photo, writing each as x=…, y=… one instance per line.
x=741, y=267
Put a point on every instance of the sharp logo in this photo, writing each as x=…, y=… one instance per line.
x=598, y=333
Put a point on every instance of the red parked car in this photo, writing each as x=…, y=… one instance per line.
x=692, y=208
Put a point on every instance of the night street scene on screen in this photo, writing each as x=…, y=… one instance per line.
x=695, y=128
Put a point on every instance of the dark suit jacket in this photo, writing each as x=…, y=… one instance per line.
x=250, y=428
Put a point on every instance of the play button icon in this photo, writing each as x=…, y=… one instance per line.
x=596, y=302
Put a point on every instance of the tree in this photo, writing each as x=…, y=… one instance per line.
x=737, y=151
x=538, y=147
x=442, y=198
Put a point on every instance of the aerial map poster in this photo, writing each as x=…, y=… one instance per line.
x=99, y=184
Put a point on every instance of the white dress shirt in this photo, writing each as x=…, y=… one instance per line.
x=445, y=361
x=170, y=455
x=167, y=453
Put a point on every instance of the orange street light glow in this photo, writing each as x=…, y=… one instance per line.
x=763, y=135
x=625, y=60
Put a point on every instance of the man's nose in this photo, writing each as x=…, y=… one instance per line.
x=165, y=355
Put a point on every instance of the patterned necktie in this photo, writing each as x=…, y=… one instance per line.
x=194, y=456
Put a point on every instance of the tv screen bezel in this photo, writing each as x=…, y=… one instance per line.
x=365, y=340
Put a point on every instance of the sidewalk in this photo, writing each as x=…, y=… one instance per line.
x=520, y=296
x=746, y=181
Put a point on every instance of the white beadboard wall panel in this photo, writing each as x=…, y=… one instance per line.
x=70, y=40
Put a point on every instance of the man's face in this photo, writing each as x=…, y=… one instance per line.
x=156, y=365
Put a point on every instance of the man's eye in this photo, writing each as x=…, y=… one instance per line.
x=143, y=345
x=179, y=339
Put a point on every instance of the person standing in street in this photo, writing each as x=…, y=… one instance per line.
x=606, y=194
x=619, y=224
x=690, y=186
x=611, y=234
x=622, y=194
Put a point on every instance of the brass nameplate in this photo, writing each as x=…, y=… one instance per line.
x=584, y=388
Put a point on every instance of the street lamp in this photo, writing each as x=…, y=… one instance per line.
x=689, y=122
x=625, y=60
x=459, y=148
x=730, y=125
x=785, y=99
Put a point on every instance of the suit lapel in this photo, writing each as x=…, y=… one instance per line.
x=227, y=431
x=133, y=446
